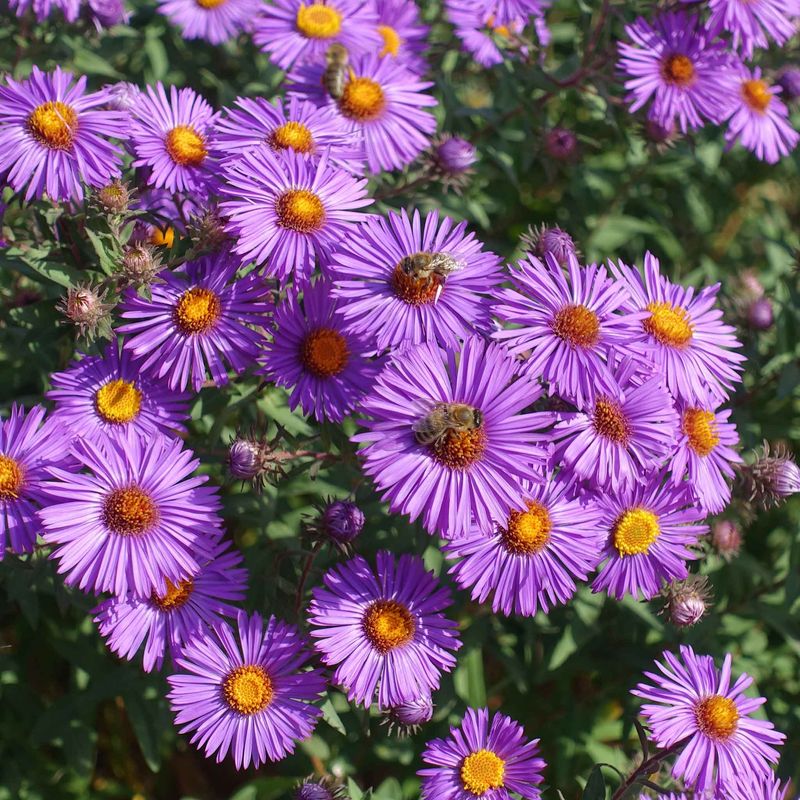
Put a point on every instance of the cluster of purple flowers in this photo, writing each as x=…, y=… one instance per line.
x=696, y=66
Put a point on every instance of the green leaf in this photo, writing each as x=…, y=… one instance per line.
x=468, y=679
x=595, y=788
x=330, y=715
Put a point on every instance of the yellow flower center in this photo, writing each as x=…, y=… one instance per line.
x=481, y=771
x=635, y=531
x=176, y=596
x=300, y=210
x=391, y=40
x=292, y=136
x=318, y=21
x=160, y=238
x=701, y=428
x=129, y=511
x=362, y=99
x=118, y=401
x=717, y=717
x=678, y=69
x=757, y=95
x=577, y=325
x=669, y=324
x=53, y=124
x=209, y=3
x=197, y=311
x=388, y=624
x=324, y=352
x=248, y=690
x=609, y=421
x=186, y=146
x=413, y=289
x=528, y=532
x=459, y=449
x=10, y=478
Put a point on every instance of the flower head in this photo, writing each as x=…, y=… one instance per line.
x=216, y=21
x=136, y=518
x=543, y=240
x=54, y=136
x=404, y=37
x=687, y=601
x=772, y=477
x=384, y=630
x=694, y=701
x=407, y=718
x=404, y=279
x=482, y=759
x=446, y=439
x=753, y=22
x=246, y=690
x=342, y=521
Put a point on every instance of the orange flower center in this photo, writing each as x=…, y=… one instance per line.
x=757, y=95
x=701, y=428
x=459, y=449
x=610, y=422
x=678, y=69
x=176, y=595
x=482, y=771
x=318, y=21
x=528, y=532
x=118, y=401
x=391, y=40
x=207, y=4
x=300, y=210
x=324, y=352
x=248, y=689
x=577, y=325
x=362, y=100
x=11, y=477
x=669, y=324
x=129, y=511
x=388, y=624
x=186, y=146
x=292, y=136
x=53, y=124
x=413, y=289
x=160, y=238
x=717, y=717
x=197, y=311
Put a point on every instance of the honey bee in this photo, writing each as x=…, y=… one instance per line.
x=427, y=267
x=444, y=417
x=336, y=70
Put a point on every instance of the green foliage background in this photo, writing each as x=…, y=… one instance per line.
x=77, y=723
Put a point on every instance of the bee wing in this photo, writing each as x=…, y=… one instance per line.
x=447, y=263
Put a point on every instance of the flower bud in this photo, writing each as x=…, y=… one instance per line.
x=207, y=231
x=406, y=718
x=454, y=155
x=318, y=789
x=122, y=96
x=140, y=264
x=114, y=198
x=726, y=538
x=687, y=601
x=244, y=460
x=342, y=521
x=759, y=315
x=561, y=144
x=84, y=306
x=543, y=240
x=106, y=13
x=789, y=81
x=772, y=477
x=659, y=134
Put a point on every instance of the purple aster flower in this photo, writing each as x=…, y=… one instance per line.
x=135, y=520
x=384, y=630
x=42, y=9
x=29, y=448
x=484, y=760
x=688, y=341
x=648, y=529
x=452, y=469
x=107, y=13
x=294, y=32
x=404, y=280
x=248, y=693
x=382, y=99
x=53, y=136
x=507, y=10
x=621, y=435
x=532, y=559
x=327, y=369
x=693, y=702
x=754, y=22
x=404, y=37
x=488, y=41
x=758, y=118
x=755, y=787
x=705, y=452
x=166, y=622
x=568, y=324
x=216, y=21
x=197, y=320
x=291, y=124
x=172, y=136
x=102, y=395
x=287, y=210
x=675, y=63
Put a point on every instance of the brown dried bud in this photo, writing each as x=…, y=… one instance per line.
x=140, y=264
x=114, y=198
x=85, y=307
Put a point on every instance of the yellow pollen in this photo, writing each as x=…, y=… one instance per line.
x=577, y=325
x=388, y=624
x=300, y=210
x=207, y=4
x=362, y=100
x=678, y=69
x=416, y=291
x=717, y=717
x=669, y=324
x=757, y=95
x=460, y=449
x=10, y=478
x=318, y=21
x=635, y=531
x=53, y=124
x=176, y=596
x=248, y=690
x=528, y=532
x=481, y=771
x=701, y=428
x=292, y=136
x=391, y=40
x=186, y=146
x=609, y=421
x=129, y=511
x=197, y=311
x=160, y=238
x=324, y=352
x=118, y=401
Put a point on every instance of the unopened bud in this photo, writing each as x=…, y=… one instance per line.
x=243, y=459
x=789, y=81
x=122, y=96
x=772, y=477
x=454, y=155
x=760, y=315
x=561, y=144
x=659, y=134
x=543, y=240
x=256, y=460
x=342, y=521
x=140, y=264
x=687, y=601
x=726, y=538
x=405, y=718
x=208, y=231
x=114, y=198
x=318, y=789
x=84, y=306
